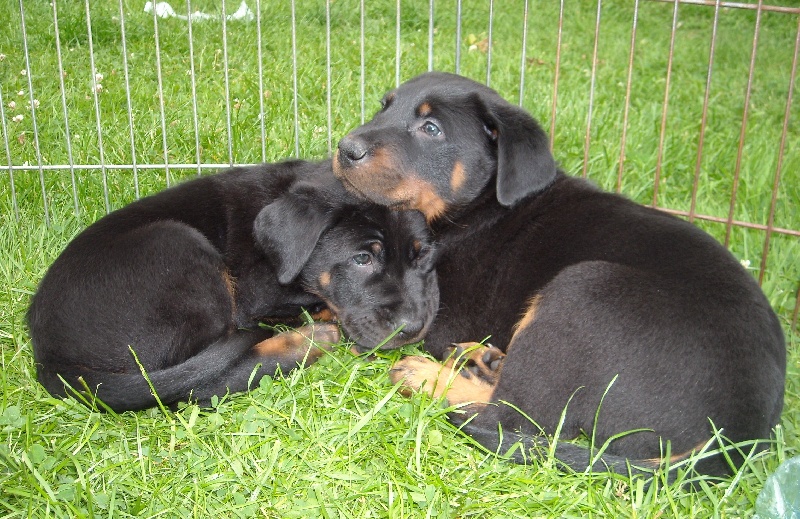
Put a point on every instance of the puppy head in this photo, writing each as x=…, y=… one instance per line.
x=373, y=267
x=439, y=142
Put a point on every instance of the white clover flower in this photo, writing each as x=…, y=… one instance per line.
x=98, y=88
x=18, y=118
x=98, y=77
x=23, y=72
x=2, y=57
x=12, y=104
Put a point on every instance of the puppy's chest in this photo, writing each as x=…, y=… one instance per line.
x=495, y=251
x=489, y=273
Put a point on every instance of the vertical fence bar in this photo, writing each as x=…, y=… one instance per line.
x=664, y=107
x=430, y=35
x=587, y=139
x=781, y=148
x=743, y=128
x=524, y=56
x=8, y=156
x=294, y=83
x=363, y=68
x=556, y=75
x=193, y=83
x=489, y=47
x=97, y=115
x=458, y=37
x=261, y=93
x=623, y=140
x=397, y=51
x=328, y=73
x=28, y=75
x=160, y=80
x=63, y=91
x=127, y=73
x=226, y=76
x=704, y=117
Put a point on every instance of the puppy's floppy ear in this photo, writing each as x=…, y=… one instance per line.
x=288, y=229
x=524, y=163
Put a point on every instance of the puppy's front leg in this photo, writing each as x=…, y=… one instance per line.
x=305, y=344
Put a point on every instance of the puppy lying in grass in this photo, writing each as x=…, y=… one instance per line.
x=176, y=285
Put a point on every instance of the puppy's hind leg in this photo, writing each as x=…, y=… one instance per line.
x=237, y=363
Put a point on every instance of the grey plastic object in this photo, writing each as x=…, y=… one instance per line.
x=780, y=497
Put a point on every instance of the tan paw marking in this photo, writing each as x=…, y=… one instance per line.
x=475, y=359
x=421, y=374
x=305, y=343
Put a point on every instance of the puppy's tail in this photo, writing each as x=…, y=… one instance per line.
x=569, y=457
x=228, y=365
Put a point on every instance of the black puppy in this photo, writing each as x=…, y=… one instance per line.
x=182, y=278
x=628, y=317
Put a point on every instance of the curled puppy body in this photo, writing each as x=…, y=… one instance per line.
x=580, y=288
x=183, y=278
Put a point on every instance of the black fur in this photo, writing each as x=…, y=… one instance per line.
x=623, y=290
x=185, y=276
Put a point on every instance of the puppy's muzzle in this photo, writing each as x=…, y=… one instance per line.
x=352, y=151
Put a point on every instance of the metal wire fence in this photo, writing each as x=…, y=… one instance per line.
x=136, y=91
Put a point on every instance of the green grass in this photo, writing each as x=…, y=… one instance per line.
x=335, y=440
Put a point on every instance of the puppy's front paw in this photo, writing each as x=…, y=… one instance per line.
x=323, y=335
x=306, y=343
x=417, y=373
x=475, y=359
x=437, y=380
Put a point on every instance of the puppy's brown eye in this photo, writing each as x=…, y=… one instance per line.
x=362, y=259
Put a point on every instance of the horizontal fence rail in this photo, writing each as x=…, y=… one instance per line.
x=684, y=105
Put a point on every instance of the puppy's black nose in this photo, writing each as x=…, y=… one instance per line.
x=351, y=150
x=411, y=328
